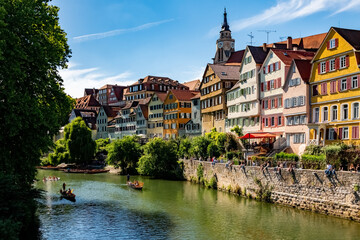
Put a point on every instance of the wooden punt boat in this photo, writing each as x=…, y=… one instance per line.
x=136, y=185
x=68, y=196
x=49, y=167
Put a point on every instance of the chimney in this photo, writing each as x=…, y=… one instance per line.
x=289, y=43
x=264, y=47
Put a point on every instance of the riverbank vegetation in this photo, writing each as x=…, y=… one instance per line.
x=33, y=106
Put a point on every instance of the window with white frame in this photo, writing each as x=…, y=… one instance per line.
x=332, y=65
x=266, y=122
x=344, y=112
x=297, y=120
x=279, y=102
x=323, y=67
x=295, y=101
x=290, y=121
x=332, y=43
x=325, y=114
x=266, y=104
x=343, y=84
x=331, y=134
x=279, y=120
x=272, y=84
x=345, y=133
x=303, y=119
x=343, y=62
x=354, y=82
x=273, y=103
x=355, y=110
x=334, y=113
x=316, y=115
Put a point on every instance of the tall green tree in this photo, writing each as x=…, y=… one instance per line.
x=33, y=104
x=159, y=159
x=184, y=148
x=78, y=140
x=125, y=153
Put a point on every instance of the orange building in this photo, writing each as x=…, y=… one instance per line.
x=177, y=112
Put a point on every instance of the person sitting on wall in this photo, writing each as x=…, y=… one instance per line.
x=242, y=166
x=351, y=167
x=329, y=170
x=290, y=169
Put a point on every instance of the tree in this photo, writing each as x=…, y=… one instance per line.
x=101, y=145
x=219, y=139
x=125, y=153
x=213, y=150
x=231, y=144
x=184, y=148
x=199, y=147
x=78, y=140
x=60, y=154
x=238, y=130
x=33, y=104
x=159, y=159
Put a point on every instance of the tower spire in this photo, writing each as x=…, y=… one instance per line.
x=225, y=25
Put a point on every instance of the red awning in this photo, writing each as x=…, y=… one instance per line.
x=258, y=135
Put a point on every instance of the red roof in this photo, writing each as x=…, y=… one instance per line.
x=235, y=58
x=183, y=95
x=86, y=102
x=286, y=56
x=161, y=96
x=193, y=85
x=196, y=96
x=304, y=67
x=310, y=42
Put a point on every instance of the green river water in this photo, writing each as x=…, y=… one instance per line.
x=106, y=208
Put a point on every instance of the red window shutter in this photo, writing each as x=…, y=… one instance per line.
x=276, y=102
x=268, y=68
x=358, y=81
x=336, y=42
x=263, y=105
x=327, y=66
x=340, y=133
x=276, y=121
x=337, y=63
x=263, y=121
x=319, y=68
x=348, y=83
x=339, y=85
x=262, y=86
x=275, y=84
x=354, y=133
x=274, y=67
x=328, y=45
x=282, y=121
x=324, y=86
x=269, y=104
x=264, y=70
x=332, y=87
x=279, y=64
x=347, y=60
x=279, y=82
x=268, y=85
x=335, y=133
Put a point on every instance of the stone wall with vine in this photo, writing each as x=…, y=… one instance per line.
x=337, y=195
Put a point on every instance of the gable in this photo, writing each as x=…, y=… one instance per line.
x=247, y=53
x=342, y=46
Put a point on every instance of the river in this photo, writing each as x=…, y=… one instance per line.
x=106, y=208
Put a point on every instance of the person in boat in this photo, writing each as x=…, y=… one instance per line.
x=44, y=179
x=136, y=183
x=64, y=185
x=128, y=178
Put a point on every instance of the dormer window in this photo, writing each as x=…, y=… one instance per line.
x=332, y=43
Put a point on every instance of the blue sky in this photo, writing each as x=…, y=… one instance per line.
x=118, y=42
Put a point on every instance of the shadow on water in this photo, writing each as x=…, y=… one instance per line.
x=102, y=220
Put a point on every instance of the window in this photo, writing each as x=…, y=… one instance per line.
x=325, y=114
x=332, y=65
x=343, y=84
x=279, y=102
x=173, y=126
x=272, y=121
x=171, y=96
x=266, y=122
x=316, y=115
x=344, y=112
x=295, y=101
x=332, y=43
x=297, y=120
x=334, y=113
x=355, y=111
x=323, y=67
x=315, y=91
x=279, y=121
x=345, y=133
x=354, y=82
x=290, y=121
x=303, y=119
x=272, y=84
x=343, y=62
x=273, y=103
x=332, y=133
x=266, y=104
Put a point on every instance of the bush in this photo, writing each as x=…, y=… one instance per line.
x=282, y=156
x=200, y=171
x=212, y=183
x=313, y=161
x=213, y=150
x=313, y=150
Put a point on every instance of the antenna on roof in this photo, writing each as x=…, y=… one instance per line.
x=251, y=38
x=267, y=34
x=281, y=38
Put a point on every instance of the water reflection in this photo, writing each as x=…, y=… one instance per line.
x=106, y=208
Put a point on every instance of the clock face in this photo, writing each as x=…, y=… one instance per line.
x=232, y=45
x=220, y=44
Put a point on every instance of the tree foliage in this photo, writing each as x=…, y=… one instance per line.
x=238, y=130
x=33, y=104
x=219, y=138
x=78, y=140
x=124, y=153
x=184, y=148
x=159, y=159
x=60, y=154
x=199, y=147
x=101, y=145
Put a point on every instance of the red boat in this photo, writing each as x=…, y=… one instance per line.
x=68, y=195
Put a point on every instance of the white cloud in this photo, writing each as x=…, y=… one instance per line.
x=119, y=31
x=285, y=11
x=77, y=79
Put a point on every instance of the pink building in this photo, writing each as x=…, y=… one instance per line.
x=296, y=105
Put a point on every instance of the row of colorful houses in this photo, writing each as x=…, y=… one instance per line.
x=303, y=91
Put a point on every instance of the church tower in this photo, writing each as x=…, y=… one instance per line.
x=225, y=45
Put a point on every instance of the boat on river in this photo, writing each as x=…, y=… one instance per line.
x=68, y=195
x=49, y=167
x=136, y=185
x=88, y=171
x=51, y=179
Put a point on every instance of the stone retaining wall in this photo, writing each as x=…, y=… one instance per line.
x=304, y=189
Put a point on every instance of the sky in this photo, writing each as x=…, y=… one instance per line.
x=121, y=41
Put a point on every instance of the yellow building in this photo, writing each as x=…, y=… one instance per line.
x=177, y=112
x=156, y=118
x=334, y=86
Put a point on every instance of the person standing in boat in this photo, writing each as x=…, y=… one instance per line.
x=64, y=185
x=128, y=178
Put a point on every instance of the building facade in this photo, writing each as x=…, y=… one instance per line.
x=335, y=91
x=177, y=112
x=106, y=114
x=156, y=116
x=225, y=45
x=193, y=127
